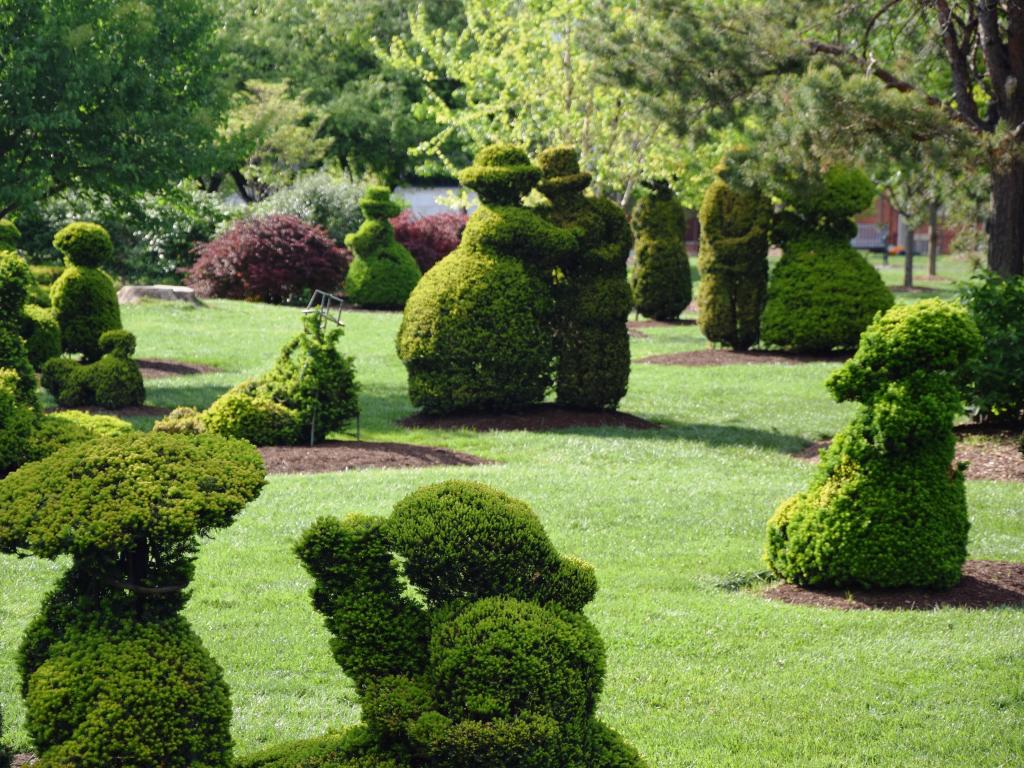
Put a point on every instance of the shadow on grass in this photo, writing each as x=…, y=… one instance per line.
x=725, y=436
x=197, y=395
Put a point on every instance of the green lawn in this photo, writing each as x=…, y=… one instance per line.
x=697, y=675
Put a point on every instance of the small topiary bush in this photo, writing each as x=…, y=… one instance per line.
x=429, y=238
x=243, y=413
x=41, y=332
x=995, y=386
x=64, y=428
x=733, y=263
x=182, y=420
x=84, y=300
x=276, y=259
x=475, y=333
x=383, y=272
x=494, y=665
x=662, y=287
x=14, y=356
x=114, y=381
x=886, y=508
x=112, y=674
x=15, y=283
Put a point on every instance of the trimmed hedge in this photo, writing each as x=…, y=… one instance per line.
x=886, y=508
x=182, y=420
x=14, y=356
x=243, y=413
x=662, y=286
x=114, y=381
x=15, y=283
x=383, y=272
x=17, y=423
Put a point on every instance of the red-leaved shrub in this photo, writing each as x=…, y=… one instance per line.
x=277, y=259
x=429, y=238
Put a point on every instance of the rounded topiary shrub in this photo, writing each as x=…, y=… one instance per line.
x=662, y=287
x=15, y=282
x=494, y=665
x=41, y=332
x=182, y=420
x=243, y=413
x=475, y=332
x=383, y=273
x=83, y=298
x=17, y=423
x=114, y=381
x=14, y=356
x=887, y=507
x=277, y=259
x=733, y=264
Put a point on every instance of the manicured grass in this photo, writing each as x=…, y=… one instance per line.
x=697, y=675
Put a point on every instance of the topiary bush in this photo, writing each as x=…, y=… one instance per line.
x=886, y=508
x=14, y=356
x=114, y=381
x=15, y=283
x=733, y=264
x=243, y=412
x=592, y=295
x=822, y=293
x=429, y=238
x=112, y=674
x=17, y=423
x=662, y=287
x=492, y=663
x=475, y=333
x=277, y=259
x=41, y=331
x=182, y=420
x=84, y=300
x=9, y=235
x=383, y=272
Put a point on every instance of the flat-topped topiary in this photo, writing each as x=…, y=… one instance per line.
x=662, y=287
x=886, y=508
x=383, y=272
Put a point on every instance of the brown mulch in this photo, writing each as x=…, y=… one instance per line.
x=160, y=369
x=985, y=584
x=700, y=357
x=142, y=411
x=996, y=458
x=636, y=324
x=538, y=418
x=338, y=456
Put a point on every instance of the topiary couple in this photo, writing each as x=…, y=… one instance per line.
x=529, y=296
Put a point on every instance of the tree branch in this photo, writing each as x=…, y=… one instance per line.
x=962, y=78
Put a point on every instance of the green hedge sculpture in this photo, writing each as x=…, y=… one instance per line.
x=383, y=272
x=886, y=508
x=662, y=286
x=114, y=381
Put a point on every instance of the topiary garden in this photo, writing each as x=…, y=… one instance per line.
x=662, y=287
x=383, y=273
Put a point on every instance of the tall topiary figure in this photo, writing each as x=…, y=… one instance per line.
x=822, y=293
x=662, y=286
x=475, y=334
x=886, y=508
x=111, y=672
x=592, y=295
x=493, y=666
x=383, y=272
x=83, y=297
x=15, y=279
x=733, y=263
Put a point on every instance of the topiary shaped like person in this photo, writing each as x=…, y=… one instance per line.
x=383, y=272
x=592, y=295
x=886, y=509
x=662, y=287
x=36, y=325
x=112, y=674
x=475, y=334
x=733, y=263
x=114, y=381
x=83, y=297
x=492, y=665
x=822, y=293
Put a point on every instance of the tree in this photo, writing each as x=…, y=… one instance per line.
x=117, y=96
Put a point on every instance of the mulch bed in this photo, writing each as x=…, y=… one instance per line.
x=701, y=357
x=637, y=324
x=539, y=418
x=338, y=456
x=985, y=584
x=142, y=411
x=162, y=369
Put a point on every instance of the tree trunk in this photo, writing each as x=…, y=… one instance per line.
x=933, y=238
x=1006, y=226
x=905, y=239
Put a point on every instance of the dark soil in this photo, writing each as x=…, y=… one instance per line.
x=539, y=418
x=636, y=324
x=142, y=411
x=337, y=456
x=161, y=369
x=985, y=584
x=700, y=357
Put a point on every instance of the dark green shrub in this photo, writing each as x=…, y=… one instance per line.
x=41, y=332
x=350, y=749
x=17, y=423
x=662, y=287
x=242, y=412
x=15, y=282
x=494, y=665
x=59, y=430
x=114, y=381
x=475, y=332
x=886, y=508
x=995, y=387
x=383, y=272
x=9, y=235
x=733, y=263
x=182, y=420
x=592, y=295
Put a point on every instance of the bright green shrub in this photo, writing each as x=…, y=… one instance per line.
x=733, y=263
x=886, y=508
x=182, y=420
x=9, y=235
x=495, y=665
x=84, y=244
x=41, y=332
x=383, y=272
x=592, y=295
x=475, y=332
x=114, y=381
x=17, y=423
x=14, y=356
x=59, y=430
x=352, y=749
x=15, y=282
x=242, y=412
x=662, y=287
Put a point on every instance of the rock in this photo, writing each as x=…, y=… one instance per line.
x=133, y=294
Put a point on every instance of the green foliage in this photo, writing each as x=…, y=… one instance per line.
x=9, y=235
x=383, y=272
x=733, y=263
x=85, y=303
x=886, y=509
x=84, y=244
x=995, y=388
x=41, y=332
x=244, y=413
x=182, y=420
x=352, y=748
x=114, y=381
x=14, y=356
x=592, y=296
x=662, y=287
x=474, y=334
x=55, y=431
x=15, y=283
x=318, y=198
x=17, y=423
